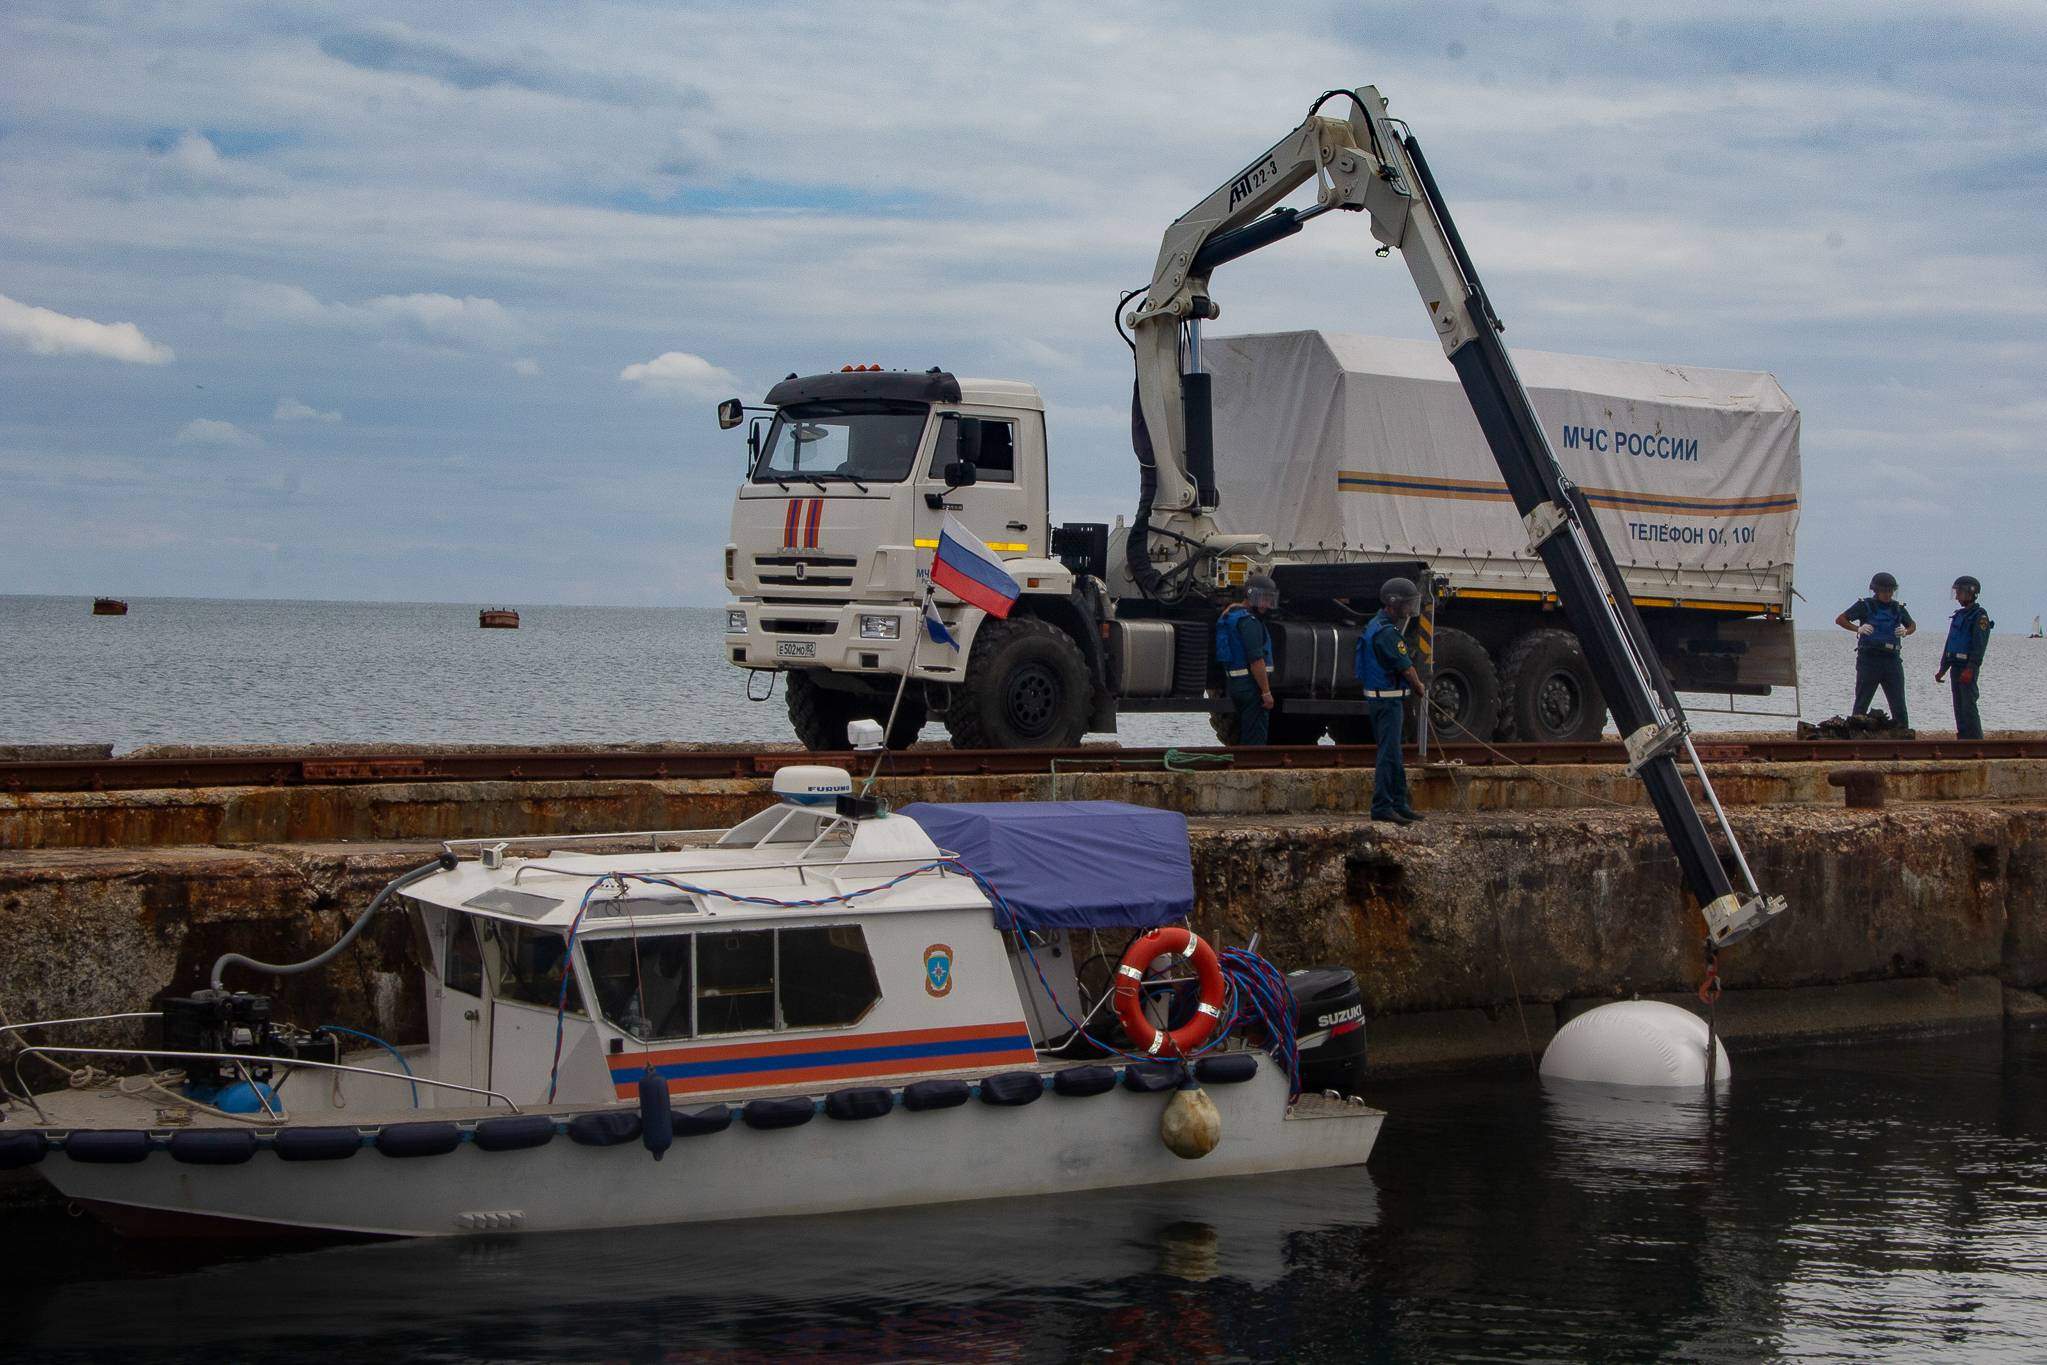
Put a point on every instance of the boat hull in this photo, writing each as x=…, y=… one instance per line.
x=1054, y=1145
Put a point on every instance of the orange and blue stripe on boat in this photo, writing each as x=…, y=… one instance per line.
x=803, y=1061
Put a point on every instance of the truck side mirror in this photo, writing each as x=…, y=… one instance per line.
x=960, y=474
x=731, y=413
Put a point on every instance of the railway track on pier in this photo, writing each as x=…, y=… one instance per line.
x=256, y=769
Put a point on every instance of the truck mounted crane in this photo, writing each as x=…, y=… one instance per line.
x=850, y=474
x=1366, y=163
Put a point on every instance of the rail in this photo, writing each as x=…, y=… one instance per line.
x=144, y=774
x=240, y=1059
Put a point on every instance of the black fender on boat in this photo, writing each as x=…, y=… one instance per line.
x=418, y=1139
x=715, y=1118
x=605, y=1128
x=862, y=1102
x=108, y=1146
x=1231, y=1068
x=21, y=1149
x=316, y=1144
x=1012, y=1088
x=784, y=1113
x=514, y=1133
x=1081, y=1081
x=919, y=1096
x=213, y=1146
x=1148, y=1078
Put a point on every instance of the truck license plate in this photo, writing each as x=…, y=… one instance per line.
x=796, y=649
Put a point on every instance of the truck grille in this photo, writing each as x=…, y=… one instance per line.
x=804, y=570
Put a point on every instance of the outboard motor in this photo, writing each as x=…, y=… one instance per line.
x=1329, y=1026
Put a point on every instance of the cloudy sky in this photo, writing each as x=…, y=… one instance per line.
x=432, y=302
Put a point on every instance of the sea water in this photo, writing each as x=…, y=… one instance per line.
x=184, y=670
x=1877, y=1200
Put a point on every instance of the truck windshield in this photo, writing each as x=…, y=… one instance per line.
x=867, y=442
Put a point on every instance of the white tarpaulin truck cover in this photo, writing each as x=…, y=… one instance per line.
x=1333, y=441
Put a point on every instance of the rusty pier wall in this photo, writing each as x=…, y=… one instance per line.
x=1473, y=934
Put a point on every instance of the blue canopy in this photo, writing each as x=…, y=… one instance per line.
x=1070, y=864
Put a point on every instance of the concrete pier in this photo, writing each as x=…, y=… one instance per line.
x=1474, y=934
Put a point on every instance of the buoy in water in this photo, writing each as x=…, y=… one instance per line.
x=1634, y=1042
x=1190, y=1127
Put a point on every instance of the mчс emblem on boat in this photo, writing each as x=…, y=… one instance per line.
x=938, y=970
x=767, y=1006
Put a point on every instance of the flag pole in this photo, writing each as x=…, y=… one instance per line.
x=910, y=666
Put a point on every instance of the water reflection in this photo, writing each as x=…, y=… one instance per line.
x=1882, y=1199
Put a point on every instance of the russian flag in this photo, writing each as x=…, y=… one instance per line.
x=968, y=570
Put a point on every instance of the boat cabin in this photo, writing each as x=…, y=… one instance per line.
x=805, y=947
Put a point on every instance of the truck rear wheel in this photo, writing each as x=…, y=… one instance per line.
x=1464, y=688
x=820, y=714
x=1552, y=696
x=1026, y=688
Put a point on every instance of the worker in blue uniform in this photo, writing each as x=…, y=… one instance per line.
x=1243, y=650
x=1968, y=635
x=1387, y=673
x=1880, y=623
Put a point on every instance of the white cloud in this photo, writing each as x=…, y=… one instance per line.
x=42, y=331
x=681, y=372
x=468, y=323
x=526, y=367
x=208, y=431
x=292, y=410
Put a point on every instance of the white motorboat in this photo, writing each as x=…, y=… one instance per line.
x=828, y=1007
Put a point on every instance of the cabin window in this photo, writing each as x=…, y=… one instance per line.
x=736, y=981
x=659, y=967
x=991, y=445
x=665, y=986
x=465, y=955
x=826, y=976
x=529, y=966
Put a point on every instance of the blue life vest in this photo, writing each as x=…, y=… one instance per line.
x=1886, y=617
x=1229, y=645
x=1372, y=672
x=1961, y=631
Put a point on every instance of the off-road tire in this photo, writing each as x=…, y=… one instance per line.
x=1550, y=694
x=819, y=714
x=1026, y=687
x=1464, y=682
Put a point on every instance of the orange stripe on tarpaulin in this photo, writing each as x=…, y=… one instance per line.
x=1425, y=486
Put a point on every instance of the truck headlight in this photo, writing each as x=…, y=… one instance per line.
x=735, y=623
x=881, y=628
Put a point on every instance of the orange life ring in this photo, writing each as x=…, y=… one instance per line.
x=1130, y=974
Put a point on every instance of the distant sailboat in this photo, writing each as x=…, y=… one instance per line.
x=2036, y=629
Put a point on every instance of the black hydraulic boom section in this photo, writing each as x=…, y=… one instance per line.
x=1564, y=533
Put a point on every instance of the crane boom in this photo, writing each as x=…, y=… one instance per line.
x=1362, y=164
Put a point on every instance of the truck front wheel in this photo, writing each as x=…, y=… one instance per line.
x=1026, y=688
x=820, y=714
x=1552, y=697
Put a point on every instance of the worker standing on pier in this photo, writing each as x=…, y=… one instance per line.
x=1243, y=649
x=1881, y=624
x=1386, y=671
x=1968, y=634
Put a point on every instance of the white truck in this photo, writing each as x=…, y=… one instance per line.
x=1332, y=462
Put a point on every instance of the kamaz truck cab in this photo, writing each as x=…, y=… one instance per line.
x=850, y=476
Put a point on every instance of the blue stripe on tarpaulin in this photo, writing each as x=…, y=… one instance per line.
x=803, y=1061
